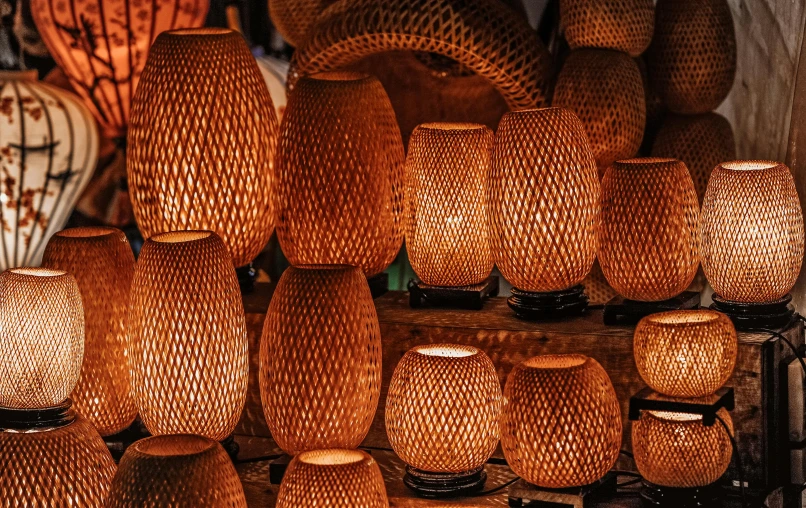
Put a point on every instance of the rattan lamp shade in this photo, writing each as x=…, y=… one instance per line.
x=187, y=336
x=648, y=245
x=561, y=423
x=332, y=478
x=447, y=237
x=340, y=164
x=294, y=18
x=320, y=359
x=622, y=25
x=178, y=470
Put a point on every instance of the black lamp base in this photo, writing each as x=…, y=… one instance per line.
x=246, y=278
x=548, y=306
x=378, y=284
x=28, y=419
x=462, y=297
x=525, y=494
x=671, y=497
x=444, y=485
x=622, y=311
x=748, y=316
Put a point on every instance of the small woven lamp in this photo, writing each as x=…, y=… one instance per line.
x=622, y=25
x=294, y=18
x=178, y=470
x=442, y=415
x=543, y=209
x=752, y=241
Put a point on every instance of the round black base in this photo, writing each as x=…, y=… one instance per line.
x=231, y=446
x=748, y=316
x=442, y=485
x=548, y=306
x=656, y=495
x=246, y=278
x=26, y=419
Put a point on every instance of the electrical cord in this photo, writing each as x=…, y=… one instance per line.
x=496, y=489
x=739, y=465
x=787, y=342
x=627, y=454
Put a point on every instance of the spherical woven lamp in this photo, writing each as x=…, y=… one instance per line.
x=622, y=25
x=561, y=422
x=294, y=19
x=442, y=415
x=320, y=359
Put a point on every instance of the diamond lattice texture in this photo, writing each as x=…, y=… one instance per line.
x=41, y=337
x=486, y=36
x=677, y=450
x=543, y=200
x=332, y=479
x=202, y=140
x=102, y=262
x=597, y=289
x=340, y=165
x=179, y=471
x=752, y=231
x=187, y=336
x=605, y=90
x=685, y=353
x=648, y=245
x=561, y=423
x=320, y=359
x=622, y=25
x=65, y=466
x=692, y=59
x=294, y=18
x=447, y=237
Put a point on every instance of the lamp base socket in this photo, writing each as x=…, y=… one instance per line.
x=622, y=311
x=461, y=297
x=444, y=485
x=523, y=493
x=28, y=419
x=749, y=316
x=548, y=306
x=378, y=284
x=671, y=497
x=246, y=278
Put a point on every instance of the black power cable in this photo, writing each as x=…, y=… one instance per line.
x=739, y=465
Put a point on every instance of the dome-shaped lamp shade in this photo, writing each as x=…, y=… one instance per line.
x=648, y=245
x=187, y=336
x=622, y=25
x=320, y=359
x=294, y=18
x=332, y=478
x=447, y=236
x=102, y=46
x=685, y=353
x=49, y=148
x=340, y=165
x=178, y=470
x=561, y=423
x=102, y=262
x=41, y=337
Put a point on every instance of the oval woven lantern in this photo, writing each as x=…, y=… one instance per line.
x=340, y=165
x=622, y=25
x=320, y=359
x=178, y=470
x=648, y=245
x=561, y=422
x=294, y=18
x=447, y=237
x=202, y=140
x=333, y=478
x=605, y=90
x=187, y=336
x=692, y=59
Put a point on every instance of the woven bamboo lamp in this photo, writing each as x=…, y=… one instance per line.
x=333, y=478
x=752, y=241
x=320, y=359
x=621, y=25
x=543, y=209
x=187, y=336
x=294, y=19
x=102, y=262
x=179, y=470
x=442, y=414
x=605, y=90
x=561, y=423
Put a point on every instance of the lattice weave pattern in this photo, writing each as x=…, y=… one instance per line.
x=294, y=18
x=622, y=25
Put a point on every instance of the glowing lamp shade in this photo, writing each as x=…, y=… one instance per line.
x=561, y=423
x=179, y=470
x=187, y=336
x=447, y=236
x=648, y=244
x=320, y=359
x=333, y=478
x=752, y=231
x=622, y=25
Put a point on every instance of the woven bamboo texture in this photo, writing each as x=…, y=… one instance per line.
x=187, y=336
x=65, y=466
x=622, y=25
x=102, y=262
x=692, y=59
x=447, y=236
x=648, y=242
x=340, y=163
x=178, y=471
x=561, y=422
x=605, y=90
x=752, y=231
x=202, y=141
x=332, y=478
x=597, y=289
x=512, y=56
x=101, y=45
x=543, y=200
x=443, y=408
x=294, y=18
x=320, y=359
x=677, y=450
x=41, y=337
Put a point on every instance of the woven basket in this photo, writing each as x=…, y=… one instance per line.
x=294, y=18
x=622, y=25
